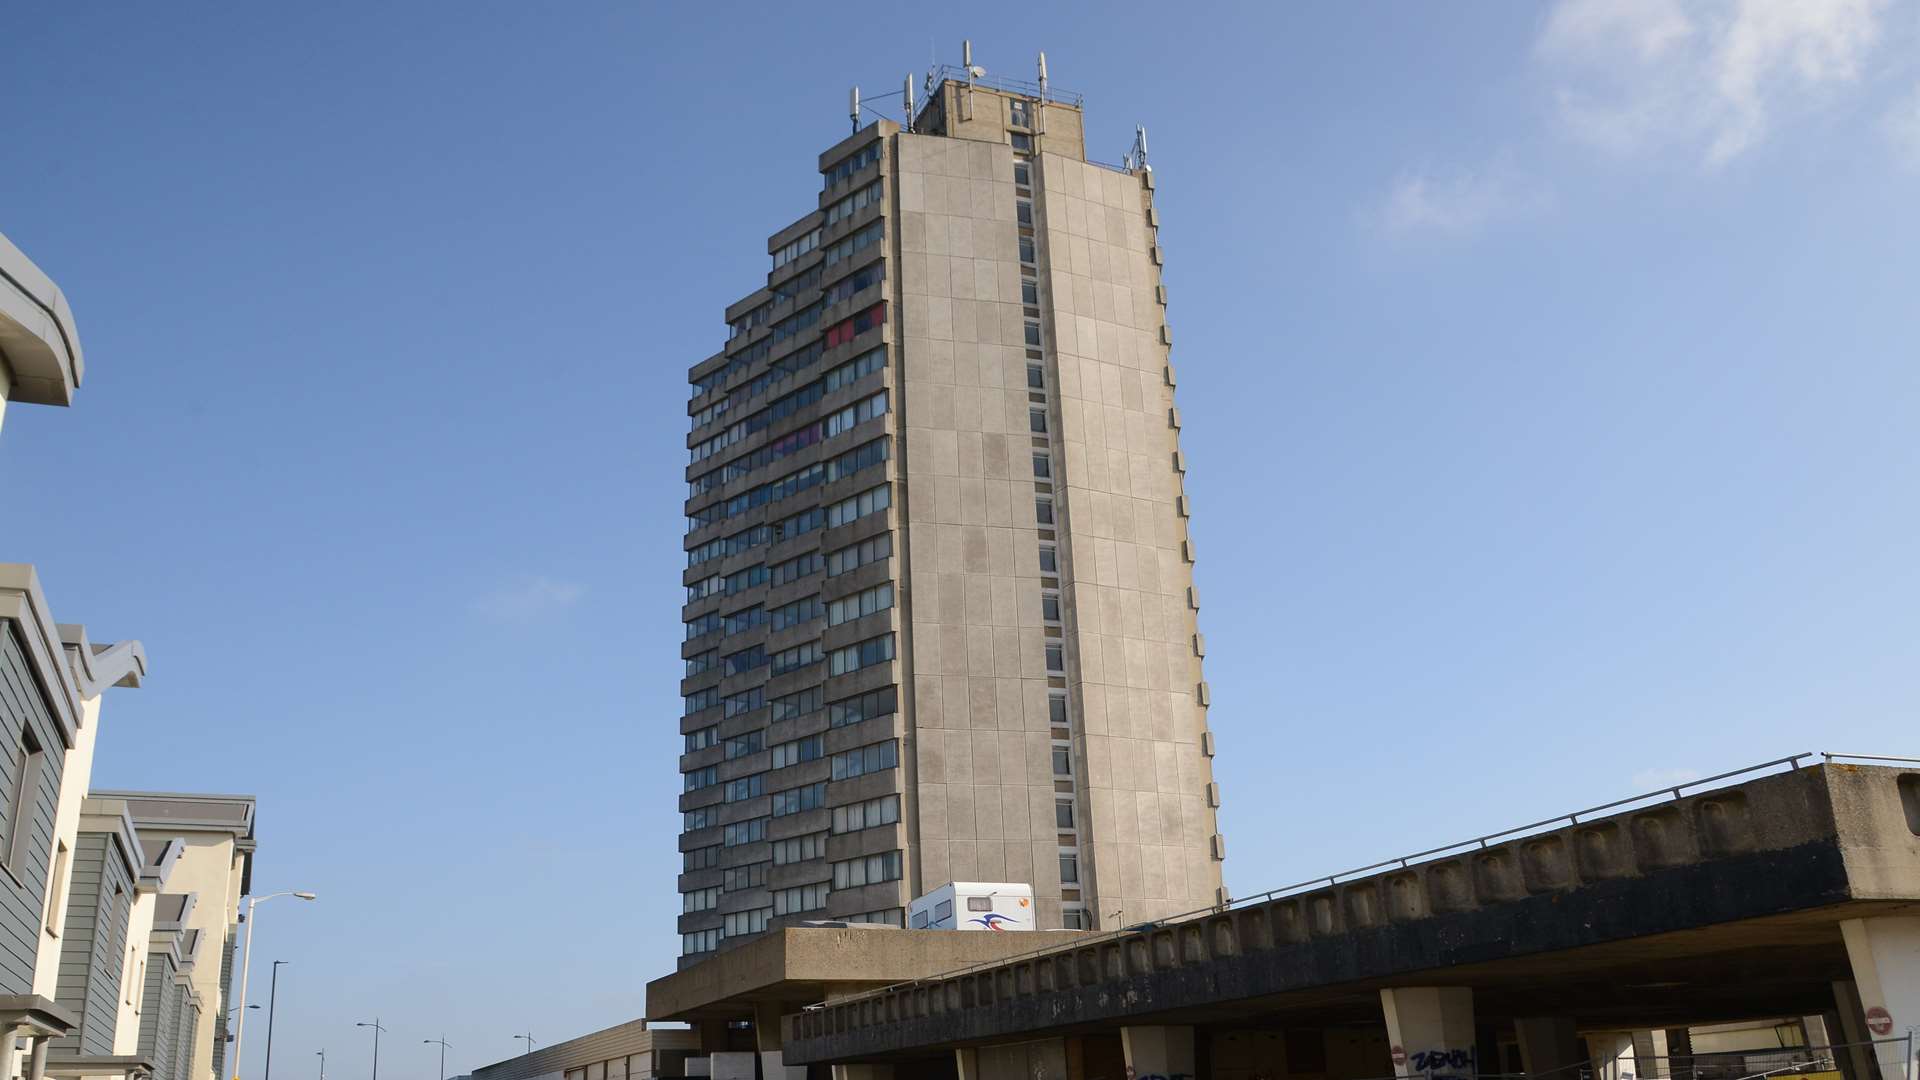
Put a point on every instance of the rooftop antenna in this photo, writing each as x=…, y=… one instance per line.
x=966, y=59
x=853, y=107
x=907, y=89
x=1043, y=77
x=1140, y=147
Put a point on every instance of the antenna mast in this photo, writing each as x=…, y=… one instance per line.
x=853, y=107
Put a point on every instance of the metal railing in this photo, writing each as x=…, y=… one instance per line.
x=1673, y=791
x=946, y=73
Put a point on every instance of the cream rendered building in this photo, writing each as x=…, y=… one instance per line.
x=940, y=618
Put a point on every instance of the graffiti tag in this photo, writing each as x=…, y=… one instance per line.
x=1431, y=1061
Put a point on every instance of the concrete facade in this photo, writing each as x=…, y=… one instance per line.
x=941, y=622
x=630, y=1051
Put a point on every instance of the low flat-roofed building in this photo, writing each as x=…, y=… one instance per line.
x=40, y=360
x=629, y=1051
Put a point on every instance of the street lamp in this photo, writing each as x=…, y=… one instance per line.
x=273, y=998
x=377, y=1029
x=442, y=1041
x=246, y=965
x=323, y=1062
x=528, y=1036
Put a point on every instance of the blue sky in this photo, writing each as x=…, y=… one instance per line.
x=1548, y=375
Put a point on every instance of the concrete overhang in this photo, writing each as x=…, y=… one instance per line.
x=800, y=965
x=109, y=816
x=98, y=665
x=38, y=341
x=126, y=1065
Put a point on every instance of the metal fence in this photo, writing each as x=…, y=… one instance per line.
x=1856, y=1061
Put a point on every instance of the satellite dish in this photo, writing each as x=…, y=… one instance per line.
x=977, y=71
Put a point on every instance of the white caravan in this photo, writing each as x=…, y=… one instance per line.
x=974, y=905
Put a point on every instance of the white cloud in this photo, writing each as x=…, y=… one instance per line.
x=530, y=599
x=1902, y=126
x=1456, y=201
x=1653, y=779
x=1636, y=76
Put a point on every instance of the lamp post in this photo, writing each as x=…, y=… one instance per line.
x=323, y=1062
x=377, y=1029
x=443, y=1044
x=529, y=1037
x=273, y=998
x=246, y=965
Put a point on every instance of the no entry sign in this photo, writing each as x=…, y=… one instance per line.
x=1879, y=1021
x=1399, y=1056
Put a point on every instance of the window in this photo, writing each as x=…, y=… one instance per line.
x=746, y=660
x=803, y=655
x=1023, y=174
x=1030, y=296
x=1063, y=814
x=850, y=246
x=796, y=568
x=799, y=848
x=853, y=873
x=851, y=658
x=744, y=620
x=794, y=249
x=979, y=903
x=839, y=173
x=1073, y=917
x=1049, y=559
x=741, y=923
x=1017, y=113
x=699, y=941
x=854, y=203
x=1043, y=509
x=702, y=700
x=750, y=876
x=701, y=661
x=741, y=745
x=861, y=760
x=804, y=610
x=864, y=707
x=871, y=501
x=1057, y=709
x=860, y=604
x=892, y=916
x=703, y=738
x=800, y=898
x=1021, y=143
x=1069, y=869
x=1042, y=467
x=804, y=703
x=705, y=587
x=854, y=325
x=799, y=799
x=1062, y=761
x=1036, y=374
x=704, y=817
x=742, y=580
x=700, y=858
x=700, y=778
x=1056, y=658
x=743, y=702
x=1026, y=250
x=1023, y=212
x=857, y=555
x=855, y=283
x=797, y=751
x=747, y=787
x=703, y=625
x=1037, y=421
x=1050, y=607
x=745, y=832
x=866, y=815
x=56, y=889
x=943, y=911
x=920, y=920
x=699, y=900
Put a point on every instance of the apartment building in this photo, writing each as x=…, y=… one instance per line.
x=940, y=615
x=117, y=910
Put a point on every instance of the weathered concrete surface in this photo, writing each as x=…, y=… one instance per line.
x=1689, y=910
x=801, y=965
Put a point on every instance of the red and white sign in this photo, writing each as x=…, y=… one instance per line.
x=1879, y=1021
x=1399, y=1056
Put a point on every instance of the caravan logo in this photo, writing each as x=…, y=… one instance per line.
x=992, y=920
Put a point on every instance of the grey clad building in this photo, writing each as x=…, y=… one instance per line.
x=940, y=616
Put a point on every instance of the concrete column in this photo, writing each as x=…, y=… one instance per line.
x=1650, y=1054
x=713, y=1034
x=1165, y=1053
x=37, y=1059
x=1041, y=1059
x=863, y=1072
x=1612, y=1054
x=1885, y=955
x=732, y=1065
x=1850, y=1027
x=1431, y=1030
x=768, y=1041
x=1548, y=1044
